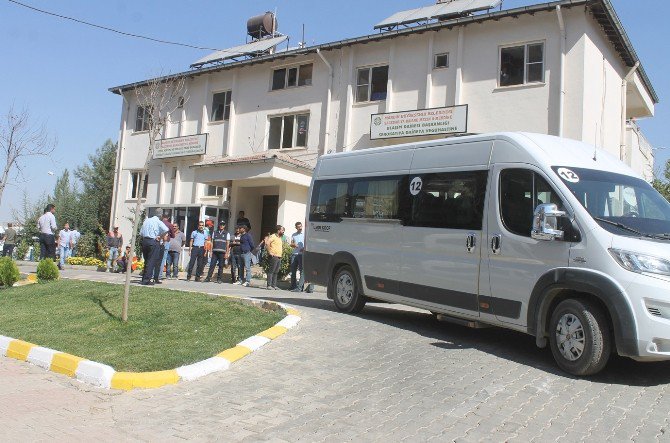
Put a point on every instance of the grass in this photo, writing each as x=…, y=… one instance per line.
x=165, y=329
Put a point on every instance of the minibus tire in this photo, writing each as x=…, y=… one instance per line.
x=592, y=325
x=350, y=299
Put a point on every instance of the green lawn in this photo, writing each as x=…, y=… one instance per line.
x=165, y=329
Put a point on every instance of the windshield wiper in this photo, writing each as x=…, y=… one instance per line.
x=633, y=230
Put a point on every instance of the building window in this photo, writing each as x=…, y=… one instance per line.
x=292, y=77
x=441, y=61
x=288, y=131
x=221, y=106
x=213, y=191
x=522, y=64
x=142, y=120
x=372, y=83
x=135, y=180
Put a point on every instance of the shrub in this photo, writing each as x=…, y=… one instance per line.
x=47, y=270
x=284, y=267
x=22, y=249
x=9, y=272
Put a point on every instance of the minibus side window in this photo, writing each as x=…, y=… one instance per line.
x=329, y=201
x=375, y=198
x=521, y=191
x=452, y=200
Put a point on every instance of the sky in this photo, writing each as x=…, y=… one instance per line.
x=61, y=70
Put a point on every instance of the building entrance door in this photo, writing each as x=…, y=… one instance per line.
x=269, y=215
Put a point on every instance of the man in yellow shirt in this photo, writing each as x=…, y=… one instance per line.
x=274, y=245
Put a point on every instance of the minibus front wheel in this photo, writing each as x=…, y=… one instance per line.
x=580, y=337
x=346, y=293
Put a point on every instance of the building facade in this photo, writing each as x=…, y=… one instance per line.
x=564, y=68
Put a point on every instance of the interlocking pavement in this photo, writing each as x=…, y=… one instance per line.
x=391, y=373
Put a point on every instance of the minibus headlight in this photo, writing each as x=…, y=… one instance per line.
x=641, y=263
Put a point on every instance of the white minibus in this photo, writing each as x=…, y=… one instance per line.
x=535, y=233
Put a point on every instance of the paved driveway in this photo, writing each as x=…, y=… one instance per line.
x=390, y=373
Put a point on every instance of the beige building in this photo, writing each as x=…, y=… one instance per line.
x=564, y=68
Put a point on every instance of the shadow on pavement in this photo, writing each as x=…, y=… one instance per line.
x=503, y=343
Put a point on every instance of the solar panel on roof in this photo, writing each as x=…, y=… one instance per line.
x=249, y=49
x=453, y=8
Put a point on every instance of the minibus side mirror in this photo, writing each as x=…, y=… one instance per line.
x=545, y=222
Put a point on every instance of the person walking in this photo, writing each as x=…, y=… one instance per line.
x=76, y=235
x=64, y=244
x=114, y=245
x=220, y=252
x=274, y=245
x=153, y=229
x=46, y=225
x=246, y=246
x=197, y=251
x=10, y=241
x=174, y=250
x=298, y=245
x=236, y=261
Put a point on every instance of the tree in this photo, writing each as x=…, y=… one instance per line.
x=20, y=139
x=662, y=185
x=158, y=99
x=67, y=201
x=97, y=181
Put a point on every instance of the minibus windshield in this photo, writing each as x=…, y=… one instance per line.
x=621, y=204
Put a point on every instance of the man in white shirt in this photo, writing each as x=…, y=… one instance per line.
x=46, y=225
x=64, y=244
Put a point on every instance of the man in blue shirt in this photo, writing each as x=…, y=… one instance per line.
x=152, y=231
x=197, y=251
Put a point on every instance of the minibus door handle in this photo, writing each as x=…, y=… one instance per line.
x=496, y=240
x=471, y=242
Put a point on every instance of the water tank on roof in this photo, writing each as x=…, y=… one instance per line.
x=261, y=25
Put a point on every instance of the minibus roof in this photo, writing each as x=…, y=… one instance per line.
x=547, y=150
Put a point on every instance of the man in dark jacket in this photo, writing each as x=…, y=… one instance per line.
x=220, y=251
x=247, y=246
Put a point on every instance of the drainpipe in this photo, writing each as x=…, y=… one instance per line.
x=119, y=158
x=624, y=86
x=459, y=67
x=561, y=98
x=326, y=139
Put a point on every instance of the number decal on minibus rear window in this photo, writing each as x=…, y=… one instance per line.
x=415, y=186
x=568, y=175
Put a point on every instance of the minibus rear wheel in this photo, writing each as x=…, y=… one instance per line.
x=579, y=336
x=346, y=293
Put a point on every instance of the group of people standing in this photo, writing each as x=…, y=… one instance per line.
x=162, y=243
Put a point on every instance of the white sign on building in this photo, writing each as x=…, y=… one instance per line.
x=449, y=120
x=181, y=146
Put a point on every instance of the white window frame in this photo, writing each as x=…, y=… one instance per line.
x=435, y=60
x=145, y=121
x=228, y=97
x=130, y=184
x=297, y=76
x=218, y=191
x=294, y=136
x=525, y=62
x=370, y=68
